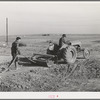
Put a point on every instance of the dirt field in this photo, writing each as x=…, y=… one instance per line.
x=35, y=77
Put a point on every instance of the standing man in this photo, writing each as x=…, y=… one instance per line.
x=15, y=51
x=62, y=40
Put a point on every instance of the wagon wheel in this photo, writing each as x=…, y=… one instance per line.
x=50, y=62
x=86, y=53
x=70, y=55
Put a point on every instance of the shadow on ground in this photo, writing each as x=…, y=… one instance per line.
x=25, y=62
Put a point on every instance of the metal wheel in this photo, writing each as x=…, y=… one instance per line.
x=86, y=53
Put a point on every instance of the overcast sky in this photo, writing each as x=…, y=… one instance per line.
x=50, y=17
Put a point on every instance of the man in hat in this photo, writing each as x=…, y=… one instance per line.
x=62, y=40
x=15, y=51
x=53, y=48
x=62, y=45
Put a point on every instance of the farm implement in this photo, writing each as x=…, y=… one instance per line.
x=67, y=55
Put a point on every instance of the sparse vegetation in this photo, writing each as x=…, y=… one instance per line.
x=33, y=77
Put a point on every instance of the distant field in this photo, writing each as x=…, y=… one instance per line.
x=54, y=37
x=38, y=43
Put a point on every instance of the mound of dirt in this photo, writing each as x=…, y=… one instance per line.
x=52, y=79
x=37, y=79
x=91, y=68
x=91, y=85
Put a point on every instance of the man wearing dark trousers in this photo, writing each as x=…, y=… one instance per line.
x=62, y=40
x=53, y=48
x=15, y=51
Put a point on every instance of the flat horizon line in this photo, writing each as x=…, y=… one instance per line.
x=50, y=34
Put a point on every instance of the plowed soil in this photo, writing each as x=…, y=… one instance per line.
x=38, y=77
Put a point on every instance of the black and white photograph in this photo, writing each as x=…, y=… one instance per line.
x=50, y=46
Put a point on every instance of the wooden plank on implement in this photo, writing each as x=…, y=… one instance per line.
x=45, y=55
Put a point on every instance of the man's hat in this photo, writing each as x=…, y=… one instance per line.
x=17, y=38
x=64, y=35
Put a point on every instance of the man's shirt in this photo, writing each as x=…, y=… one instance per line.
x=14, y=48
x=61, y=42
